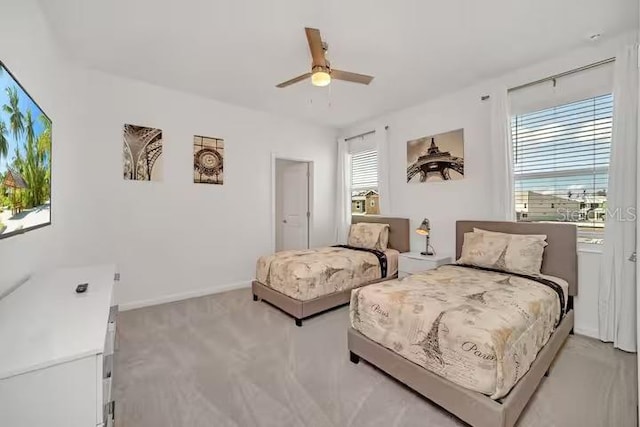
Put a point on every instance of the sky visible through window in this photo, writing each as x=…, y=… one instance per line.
x=561, y=162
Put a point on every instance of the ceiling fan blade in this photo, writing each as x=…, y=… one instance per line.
x=351, y=77
x=315, y=46
x=294, y=80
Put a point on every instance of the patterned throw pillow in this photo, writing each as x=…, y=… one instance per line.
x=542, y=237
x=369, y=236
x=525, y=251
x=524, y=255
x=482, y=250
x=518, y=253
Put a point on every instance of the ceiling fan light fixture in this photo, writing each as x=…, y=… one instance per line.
x=321, y=71
x=320, y=76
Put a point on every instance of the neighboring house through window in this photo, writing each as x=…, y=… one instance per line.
x=561, y=163
x=364, y=183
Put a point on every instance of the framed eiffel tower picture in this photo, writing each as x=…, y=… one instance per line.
x=436, y=158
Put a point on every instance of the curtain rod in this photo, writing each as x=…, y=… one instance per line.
x=360, y=135
x=566, y=73
x=557, y=76
x=364, y=134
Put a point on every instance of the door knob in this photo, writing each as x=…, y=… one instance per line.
x=284, y=221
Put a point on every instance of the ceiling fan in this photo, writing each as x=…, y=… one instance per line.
x=321, y=71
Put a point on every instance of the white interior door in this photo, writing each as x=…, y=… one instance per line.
x=292, y=210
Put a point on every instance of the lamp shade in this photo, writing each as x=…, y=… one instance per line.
x=424, y=228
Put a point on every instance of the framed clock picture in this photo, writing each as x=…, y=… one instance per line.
x=208, y=160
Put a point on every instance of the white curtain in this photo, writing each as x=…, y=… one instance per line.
x=617, y=294
x=382, y=147
x=343, y=192
x=501, y=154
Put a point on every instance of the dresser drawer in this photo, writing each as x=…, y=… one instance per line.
x=104, y=383
x=107, y=366
x=412, y=265
x=106, y=390
x=110, y=340
x=109, y=412
x=113, y=313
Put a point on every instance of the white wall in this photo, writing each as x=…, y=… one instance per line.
x=172, y=238
x=26, y=49
x=445, y=202
x=586, y=303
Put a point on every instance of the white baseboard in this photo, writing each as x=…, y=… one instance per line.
x=588, y=332
x=184, y=295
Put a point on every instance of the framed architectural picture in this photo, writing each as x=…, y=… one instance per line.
x=142, y=159
x=208, y=160
x=436, y=158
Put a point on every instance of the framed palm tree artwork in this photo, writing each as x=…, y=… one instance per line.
x=25, y=159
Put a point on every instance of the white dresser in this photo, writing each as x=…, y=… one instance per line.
x=56, y=350
x=415, y=262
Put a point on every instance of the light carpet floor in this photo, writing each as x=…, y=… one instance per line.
x=224, y=360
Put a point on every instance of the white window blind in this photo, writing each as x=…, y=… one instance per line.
x=364, y=170
x=561, y=162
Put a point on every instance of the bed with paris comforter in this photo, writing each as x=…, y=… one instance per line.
x=478, y=328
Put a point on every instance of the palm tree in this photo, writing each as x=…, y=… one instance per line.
x=44, y=140
x=16, y=118
x=44, y=152
x=17, y=163
x=33, y=170
x=29, y=127
x=4, y=142
x=34, y=165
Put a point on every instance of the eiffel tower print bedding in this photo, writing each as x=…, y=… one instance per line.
x=479, y=329
x=311, y=273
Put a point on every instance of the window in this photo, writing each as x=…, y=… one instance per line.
x=561, y=159
x=364, y=182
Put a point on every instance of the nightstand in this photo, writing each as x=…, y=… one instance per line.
x=414, y=262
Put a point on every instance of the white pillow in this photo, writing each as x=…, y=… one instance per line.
x=369, y=235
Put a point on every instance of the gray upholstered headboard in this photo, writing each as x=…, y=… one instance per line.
x=398, y=229
x=560, y=256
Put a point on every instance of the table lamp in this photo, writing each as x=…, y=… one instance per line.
x=424, y=230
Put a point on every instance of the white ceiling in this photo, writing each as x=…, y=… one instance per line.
x=238, y=50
